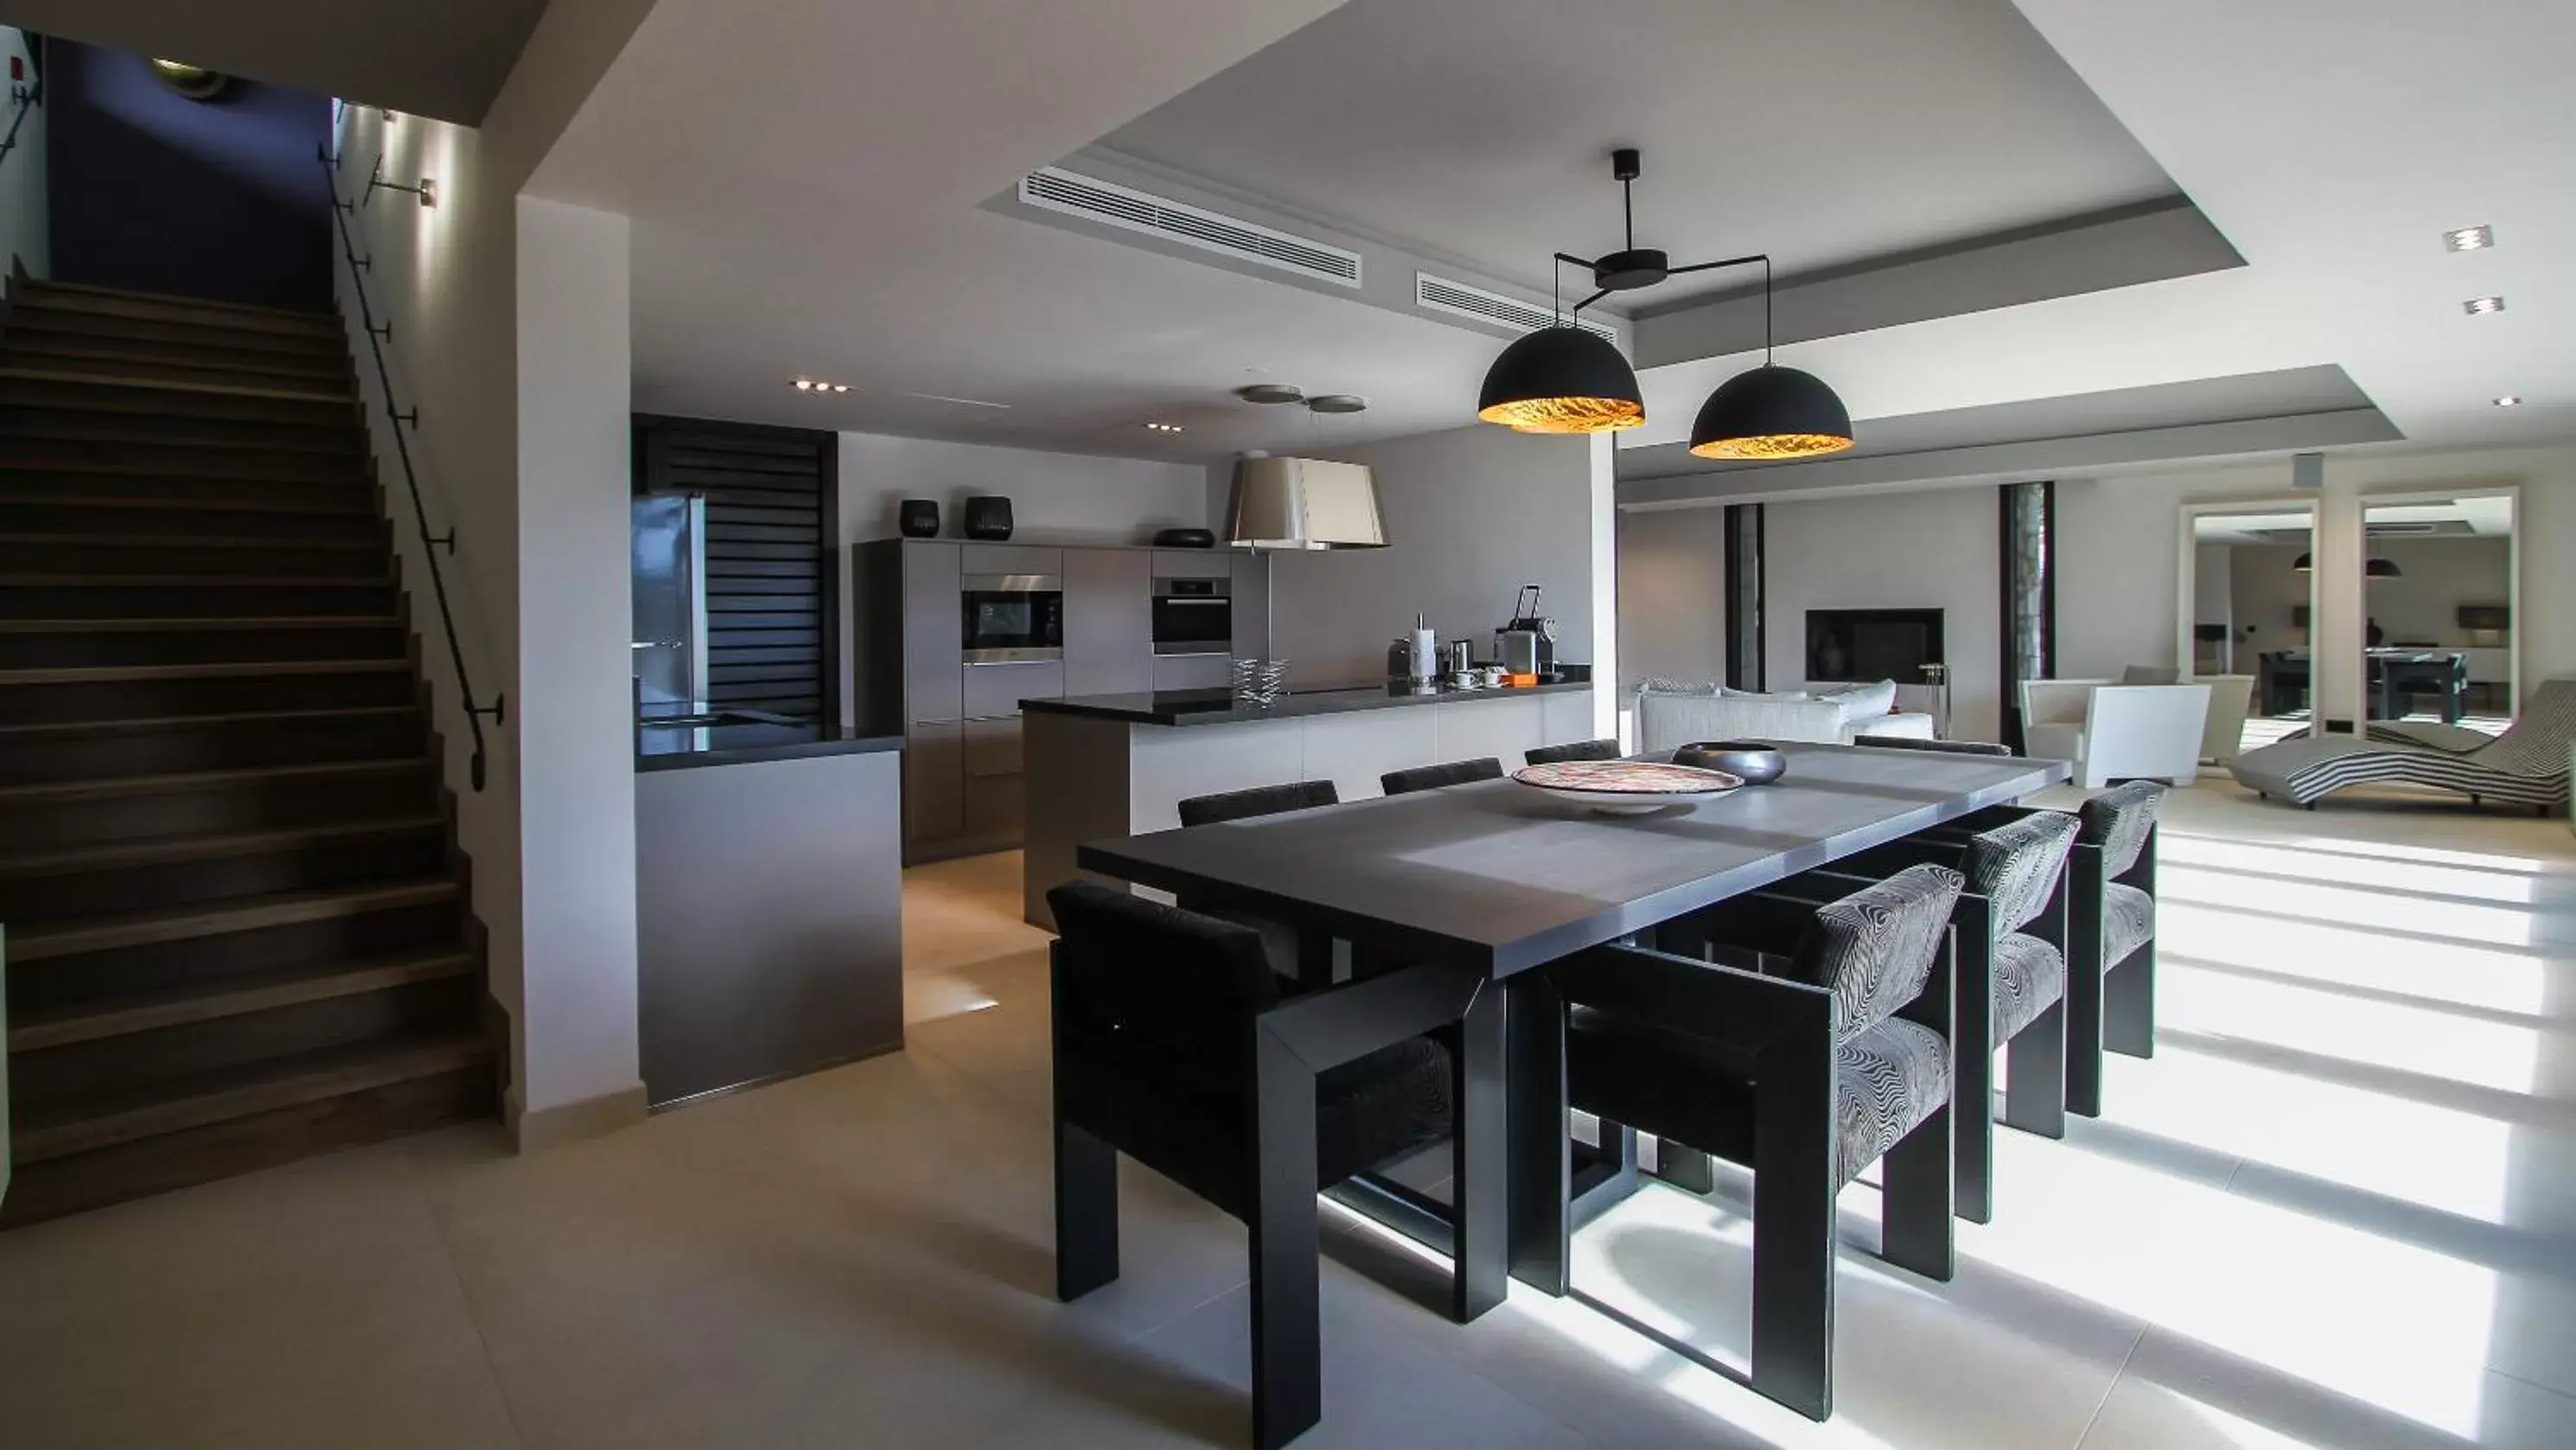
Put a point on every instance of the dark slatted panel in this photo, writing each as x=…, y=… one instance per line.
x=766, y=589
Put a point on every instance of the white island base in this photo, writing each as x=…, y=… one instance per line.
x=1092, y=777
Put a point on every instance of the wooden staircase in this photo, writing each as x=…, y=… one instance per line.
x=237, y=925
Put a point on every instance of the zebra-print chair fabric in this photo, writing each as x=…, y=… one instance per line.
x=2118, y=822
x=2526, y=765
x=1705, y=1055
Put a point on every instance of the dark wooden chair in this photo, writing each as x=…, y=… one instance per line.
x=1580, y=750
x=2113, y=931
x=1433, y=777
x=1938, y=747
x=1291, y=956
x=2016, y=878
x=1174, y=1045
x=1805, y=1067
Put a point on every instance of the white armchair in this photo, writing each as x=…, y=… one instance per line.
x=2116, y=732
x=2222, y=735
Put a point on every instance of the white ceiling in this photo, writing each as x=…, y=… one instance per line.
x=812, y=188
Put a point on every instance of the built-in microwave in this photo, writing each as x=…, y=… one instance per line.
x=1193, y=616
x=1012, y=617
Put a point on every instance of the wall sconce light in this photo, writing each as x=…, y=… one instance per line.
x=427, y=190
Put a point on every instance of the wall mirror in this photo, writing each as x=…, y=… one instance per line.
x=2439, y=618
x=2248, y=606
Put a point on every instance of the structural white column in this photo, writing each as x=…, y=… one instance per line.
x=571, y=706
x=2342, y=603
x=1603, y=481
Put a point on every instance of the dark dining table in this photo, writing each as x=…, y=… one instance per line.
x=1496, y=879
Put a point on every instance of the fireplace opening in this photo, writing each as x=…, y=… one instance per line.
x=1874, y=644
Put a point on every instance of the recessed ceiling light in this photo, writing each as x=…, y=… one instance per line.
x=2480, y=306
x=810, y=385
x=804, y=385
x=840, y=387
x=2509, y=400
x=2469, y=239
x=1337, y=403
x=1167, y=427
x=1271, y=393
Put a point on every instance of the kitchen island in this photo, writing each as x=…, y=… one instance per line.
x=1106, y=766
x=769, y=916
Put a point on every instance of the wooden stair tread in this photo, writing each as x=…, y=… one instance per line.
x=165, y=850
x=23, y=373
x=325, y=440
x=130, y=1013
x=196, y=581
x=85, y=1124
x=199, y=780
x=164, y=724
x=174, y=299
x=159, y=470
x=102, y=674
x=354, y=507
x=198, y=624
x=44, y=941
x=190, y=541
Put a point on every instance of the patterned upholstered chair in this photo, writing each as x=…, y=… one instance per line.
x=2112, y=929
x=1806, y=1067
x=1433, y=777
x=1174, y=1046
x=2016, y=879
x=1303, y=962
x=1581, y=750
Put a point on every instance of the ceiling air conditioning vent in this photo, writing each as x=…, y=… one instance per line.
x=1460, y=300
x=1056, y=190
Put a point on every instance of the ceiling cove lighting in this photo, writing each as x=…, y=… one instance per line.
x=2481, y=306
x=2469, y=239
x=1561, y=379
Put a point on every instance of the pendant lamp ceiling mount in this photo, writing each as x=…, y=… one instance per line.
x=1561, y=379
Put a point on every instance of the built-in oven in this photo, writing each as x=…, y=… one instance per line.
x=1193, y=616
x=1013, y=617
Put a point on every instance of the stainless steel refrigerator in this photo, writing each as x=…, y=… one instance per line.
x=670, y=536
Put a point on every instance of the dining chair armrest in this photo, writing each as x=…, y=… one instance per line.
x=1325, y=1029
x=1763, y=921
x=1714, y=1001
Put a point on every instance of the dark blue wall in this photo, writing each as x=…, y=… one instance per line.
x=154, y=191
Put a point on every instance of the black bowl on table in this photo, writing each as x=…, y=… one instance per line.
x=1756, y=761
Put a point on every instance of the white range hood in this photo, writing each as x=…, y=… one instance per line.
x=1303, y=503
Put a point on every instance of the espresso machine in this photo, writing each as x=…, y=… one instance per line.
x=1527, y=645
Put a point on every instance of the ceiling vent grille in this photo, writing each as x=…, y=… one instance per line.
x=1460, y=300
x=1055, y=190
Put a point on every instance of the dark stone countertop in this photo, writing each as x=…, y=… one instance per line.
x=741, y=737
x=1219, y=707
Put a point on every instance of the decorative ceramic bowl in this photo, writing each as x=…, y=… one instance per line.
x=1625, y=787
x=1754, y=760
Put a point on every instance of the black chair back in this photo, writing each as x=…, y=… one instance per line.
x=1261, y=800
x=1433, y=777
x=1938, y=747
x=2118, y=821
x=1159, y=980
x=2016, y=865
x=1580, y=750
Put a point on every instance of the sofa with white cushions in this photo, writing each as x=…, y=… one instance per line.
x=1673, y=713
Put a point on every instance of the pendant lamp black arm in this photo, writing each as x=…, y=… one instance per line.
x=1743, y=261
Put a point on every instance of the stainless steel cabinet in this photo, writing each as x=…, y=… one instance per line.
x=1192, y=564
x=934, y=779
x=1108, y=621
x=1011, y=559
x=933, y=632
x=1193, y=672
x=996, y=690
x=1251, y=605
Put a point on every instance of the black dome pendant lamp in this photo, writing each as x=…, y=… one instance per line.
x=1561, y=379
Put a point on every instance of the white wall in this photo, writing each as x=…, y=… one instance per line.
x=1672, y=595
x=575, y=706
x=1923, y=549
x=23, y=228
x=1471, y=514
x=449, y=279
x=2117, y=541
x=1068, y=496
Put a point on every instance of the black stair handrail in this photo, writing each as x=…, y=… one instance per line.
x=22, y=99
x=397, y=420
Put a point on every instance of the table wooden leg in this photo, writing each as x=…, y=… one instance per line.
x=1541, y=1170
x=1480, y=1152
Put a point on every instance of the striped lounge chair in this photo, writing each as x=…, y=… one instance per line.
x=2526, y=765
